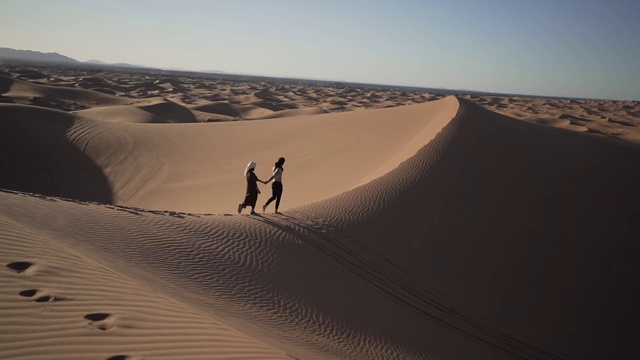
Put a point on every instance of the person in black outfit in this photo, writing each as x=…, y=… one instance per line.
x=276, y=187
x=251, y=197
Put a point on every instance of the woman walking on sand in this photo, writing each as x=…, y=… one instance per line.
x=251, y=197
x=276, y=187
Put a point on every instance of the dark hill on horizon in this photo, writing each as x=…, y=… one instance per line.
x=35, y=56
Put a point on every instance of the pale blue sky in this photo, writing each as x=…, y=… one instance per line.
x=544, y=47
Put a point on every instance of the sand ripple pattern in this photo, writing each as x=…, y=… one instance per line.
x=242, y=266
x=410, y=265
x=237, y=268
x=52, y=297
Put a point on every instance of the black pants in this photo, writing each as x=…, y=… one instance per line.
x=276, y=188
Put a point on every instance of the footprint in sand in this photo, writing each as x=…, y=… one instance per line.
x=101, y=321
x=31, y=293
x=20, y=267
x=25, y=267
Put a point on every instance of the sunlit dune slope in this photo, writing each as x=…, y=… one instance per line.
x=57, y=304
x=198, y=167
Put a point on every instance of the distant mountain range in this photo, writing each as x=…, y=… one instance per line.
x=37, y=56
x=29, y=55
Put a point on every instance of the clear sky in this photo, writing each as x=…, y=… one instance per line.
x=578, y=48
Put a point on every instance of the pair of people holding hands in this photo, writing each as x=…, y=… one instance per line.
x=251, y=197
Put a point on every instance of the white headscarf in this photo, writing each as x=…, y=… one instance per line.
x=251, y=165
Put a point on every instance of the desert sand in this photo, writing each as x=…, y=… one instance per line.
x=413, y=225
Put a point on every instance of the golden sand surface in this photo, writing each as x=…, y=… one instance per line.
x=412, y=226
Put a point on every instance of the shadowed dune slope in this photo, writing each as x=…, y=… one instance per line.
x=36, y=155
x=470, y=235
x=532, y=227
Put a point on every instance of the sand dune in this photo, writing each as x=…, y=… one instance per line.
x=294, y=112
x=223, y=100
x=36, y=155
x=148, y=166
x=439, y=230
x=57, y=97
x=123, y=113
x=233, y=110
x=506, y=220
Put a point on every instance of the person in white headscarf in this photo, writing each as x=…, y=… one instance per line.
x=251, y=196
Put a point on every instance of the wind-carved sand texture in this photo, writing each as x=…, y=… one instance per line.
x=438, y=230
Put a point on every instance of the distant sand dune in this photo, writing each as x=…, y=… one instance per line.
x=153, y=110
x=170, y=111
x=233, y=110
x=56, y=96
x=122, y=113
x=584, y=115
x=294, y=112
